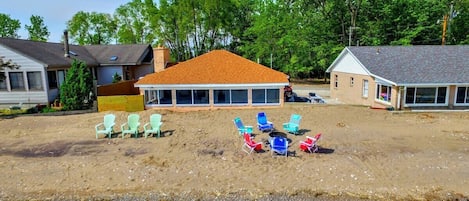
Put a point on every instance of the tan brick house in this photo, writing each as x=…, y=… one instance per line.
x=402, y=77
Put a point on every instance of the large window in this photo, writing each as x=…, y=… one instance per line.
x=262, y=96
x=383, y=93
x=16, y=81
x=425, y=95
x=158, y=97
x=462, y=95
x=34, y=81
x=192, y=97
x=227, y=97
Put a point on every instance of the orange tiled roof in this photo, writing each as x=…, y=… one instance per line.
x=216, y=67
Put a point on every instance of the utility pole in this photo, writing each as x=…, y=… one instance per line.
x=443, y=36
x=447, y=22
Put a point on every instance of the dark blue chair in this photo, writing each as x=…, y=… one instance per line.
x=263, y=124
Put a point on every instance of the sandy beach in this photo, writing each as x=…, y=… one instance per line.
x=364, y=154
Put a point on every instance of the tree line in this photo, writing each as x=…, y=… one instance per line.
x=298, y=37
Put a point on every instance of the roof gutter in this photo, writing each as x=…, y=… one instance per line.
x=206, y=86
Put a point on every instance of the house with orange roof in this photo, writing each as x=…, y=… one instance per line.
x=216, y=79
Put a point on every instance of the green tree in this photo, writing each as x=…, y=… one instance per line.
x=37, y=30
x=116, y=78
x=9, y=27
x=191, y=28
x=458, y=26
x=134, y=23
x=92, y=28
x=75, y=91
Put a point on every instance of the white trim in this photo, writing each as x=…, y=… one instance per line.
x=380, y=80
x=345, y=52
x=210, y=86
x=431, y=84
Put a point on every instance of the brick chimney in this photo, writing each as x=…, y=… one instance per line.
x=66, y=46
x=160, y=58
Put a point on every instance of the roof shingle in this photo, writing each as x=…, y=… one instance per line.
x=426, y=64
x=216, y=67
x=126, y=54
x=50, y=54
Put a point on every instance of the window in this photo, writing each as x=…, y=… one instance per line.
x=273, y=96
x=192, y=97
x=351, y=81
x=228, y=97
x=425, y=95
x=34, y=80
x=61, y=77
x=183, y=97
x=52, y=79
x=3, y=85
x=383, y=93
x=258, y=96
x=158, y=97
x=336, y=81
x=16, y=81
x=262, y=96
x=113, y=58
x=200, y=96
x=221, y=96
x=365, y=89
x=410, y=95
x=239, y=96
x=462, y=95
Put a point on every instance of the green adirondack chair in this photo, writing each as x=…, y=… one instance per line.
x=131, y=126
x=106, y=127
x=154, y=126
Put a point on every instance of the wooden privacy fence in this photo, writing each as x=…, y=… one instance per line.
x=128, y=103
x=121, y=96
x=120, y=88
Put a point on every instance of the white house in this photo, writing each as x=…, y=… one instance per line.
x=43, y=67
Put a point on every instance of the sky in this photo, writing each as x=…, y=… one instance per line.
x=55, y=13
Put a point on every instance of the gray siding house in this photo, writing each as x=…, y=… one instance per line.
x=43, y=67
x=402, y=77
